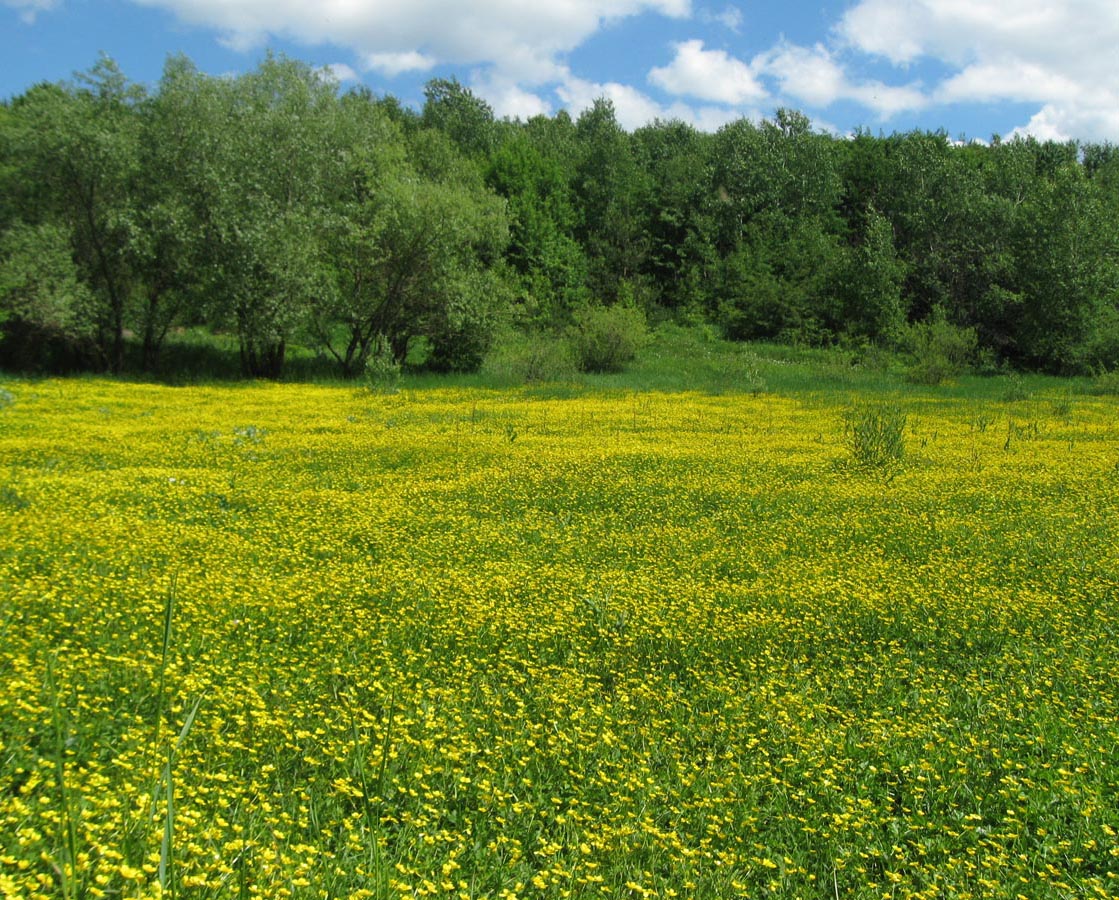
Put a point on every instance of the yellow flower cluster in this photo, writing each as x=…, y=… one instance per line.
x=483, y=644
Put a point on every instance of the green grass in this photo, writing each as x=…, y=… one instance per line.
x=562, y=641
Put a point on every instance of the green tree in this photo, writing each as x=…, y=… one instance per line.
x=870, y=283
x=410, y=255
x=682, y=260
x=166, y=249
x=1067, y=271
x=777, y=188
x=47, y=314
x=76, y=148
x=543, y=252
x=609, y=187
x=255, y=182
x=466, y=119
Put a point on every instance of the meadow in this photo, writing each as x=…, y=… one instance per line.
x=317, y=641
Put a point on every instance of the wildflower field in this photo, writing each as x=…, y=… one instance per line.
x=305, y=641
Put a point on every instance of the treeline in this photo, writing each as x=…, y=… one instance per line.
x=277, y=208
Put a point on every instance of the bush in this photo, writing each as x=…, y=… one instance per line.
x=31, y=347
x=532, y=358
x=459, y=349
x=1016, y=389
x=382, y=369
x=1106, y=384
x=939, y=349
x=876, y=435
x=607, y=338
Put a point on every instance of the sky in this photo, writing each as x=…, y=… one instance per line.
x=972, y=68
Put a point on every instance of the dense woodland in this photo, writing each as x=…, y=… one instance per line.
x=275, y=207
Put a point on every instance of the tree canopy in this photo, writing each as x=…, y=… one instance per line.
x=276, y=207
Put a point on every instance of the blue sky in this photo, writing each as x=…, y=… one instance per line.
x=971, y=67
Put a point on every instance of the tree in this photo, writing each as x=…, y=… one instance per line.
x=543, y=251
x=466, y=119
x=777, y=188
x=609, y=187
x=410, y=255
x=77, y=150
x=47, y=313
x=166, y=250
x=682, y=261
x=1067, y=272
x=255, y=180
x=870, y=283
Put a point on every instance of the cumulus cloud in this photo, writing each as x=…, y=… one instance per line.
x=813, y=76
x=340, y=72
x=507, y=98
x=708, y=75
x=1057, y=55
x=393, y=64
x=634, y=108
x=519, y=40
x=1057, y=58
x=1062, y=123
x=29, y=9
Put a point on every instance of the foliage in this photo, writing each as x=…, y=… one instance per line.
x=39, y=283
x=382, y=369
x=271, y=206
x=1105, y=384
x=607, y=338
x=876, y=435
x=1016, y=389
x=532, y=358
x=870, y=282
x=456, y=112
x=75, y=152
x=47, y=312
x=938, y=349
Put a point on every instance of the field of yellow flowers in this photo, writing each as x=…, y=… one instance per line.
x=303, y=641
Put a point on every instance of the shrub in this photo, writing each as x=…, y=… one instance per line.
x=739, y=373
x=382, y=369
x=459, y=349
x=532, y=358
x=1105, y=384
x=607, y=338
x=1015, y=389
x=876, y=435
x=939, y=349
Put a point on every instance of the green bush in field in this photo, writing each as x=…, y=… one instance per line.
x=607, y=338
x=1015, y=389
x=1105, y=384
x=876, y=435
x=382, y=369
x=532, y=358
x=939, y=350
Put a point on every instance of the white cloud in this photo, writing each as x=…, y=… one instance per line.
x=813, y=76
x=340, y=72
x=1010, y=79
x=885, y=28
x=634, y=108
x=1060, y=56
x=708, y=75
x=521, y=40
x=730, y=18
x=508, y=99
x=30, y=9
x=1064, y=123
x=393, y=64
